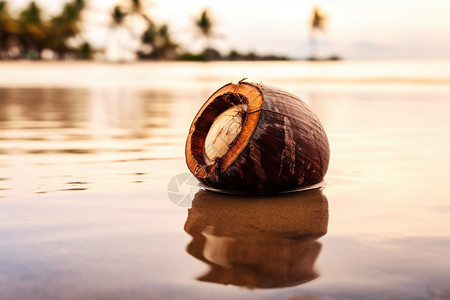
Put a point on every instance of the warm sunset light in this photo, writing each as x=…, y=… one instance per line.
x=385, y=29
x=206, y=149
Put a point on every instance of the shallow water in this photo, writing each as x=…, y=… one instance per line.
x=93, y=205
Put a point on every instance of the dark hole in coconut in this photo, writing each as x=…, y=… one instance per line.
x=204, y=122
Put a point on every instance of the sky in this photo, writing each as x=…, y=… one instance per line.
x=356, y=29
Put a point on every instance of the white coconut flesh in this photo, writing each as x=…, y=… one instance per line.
x=224, y=130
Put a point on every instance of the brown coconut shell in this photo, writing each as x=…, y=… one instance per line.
x=258, y=242
x=281, y=146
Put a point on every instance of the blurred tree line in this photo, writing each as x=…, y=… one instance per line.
x=27, y=34
x=33, y=35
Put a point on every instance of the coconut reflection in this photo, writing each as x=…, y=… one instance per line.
x=258, y=242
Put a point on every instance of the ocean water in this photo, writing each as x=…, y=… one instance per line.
x=96, y=201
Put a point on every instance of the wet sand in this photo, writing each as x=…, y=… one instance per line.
x=89, y=151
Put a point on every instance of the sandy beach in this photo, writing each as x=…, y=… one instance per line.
x=88, y=152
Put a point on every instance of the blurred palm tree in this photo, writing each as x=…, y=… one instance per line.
x=118, y=16
x=32, y=31
x=165, y=46
x=8, y=28
x=66, y=26
x=28, y=34
x=317, y=23
x=157, y=43
x=85, y=51
x=138, y=7
x=154, y=42
x=127, y=9
x=205, y=26
x=121, y=38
